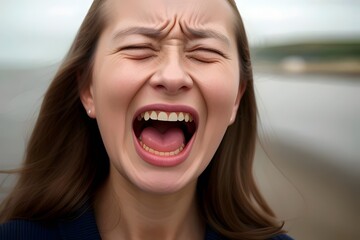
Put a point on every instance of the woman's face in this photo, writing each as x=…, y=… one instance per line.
x=165, y=87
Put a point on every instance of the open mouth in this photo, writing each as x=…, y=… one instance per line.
x=163, y=133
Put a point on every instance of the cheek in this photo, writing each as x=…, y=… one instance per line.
x=114, y=87
x=114, y=84
x=220, y=91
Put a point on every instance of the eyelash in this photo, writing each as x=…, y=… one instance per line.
x=211, y=50
x=191, y=54
x=136, y=47
x=206, y=59
x=140, y=56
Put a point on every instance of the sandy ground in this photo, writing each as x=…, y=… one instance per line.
x=316, y=200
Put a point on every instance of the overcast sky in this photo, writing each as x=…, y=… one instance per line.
x=39, y=32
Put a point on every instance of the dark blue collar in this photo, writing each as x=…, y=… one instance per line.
x=84, y=227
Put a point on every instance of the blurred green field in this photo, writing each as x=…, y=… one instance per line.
x=342, y=57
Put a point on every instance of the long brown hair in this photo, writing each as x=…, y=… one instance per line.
x=66, y=162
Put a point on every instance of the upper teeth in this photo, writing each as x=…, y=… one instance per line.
x=165, y=116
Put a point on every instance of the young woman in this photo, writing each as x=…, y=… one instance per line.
x=146, y=132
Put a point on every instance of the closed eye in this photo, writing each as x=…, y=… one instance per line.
x=206, y=55
x=138, y=52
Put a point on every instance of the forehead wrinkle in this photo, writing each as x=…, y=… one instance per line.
x=165, y=22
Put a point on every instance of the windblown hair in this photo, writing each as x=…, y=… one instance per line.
x=66, y=162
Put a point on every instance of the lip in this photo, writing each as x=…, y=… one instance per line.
x=166, y=161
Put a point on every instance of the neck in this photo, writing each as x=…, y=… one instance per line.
x=125, y=212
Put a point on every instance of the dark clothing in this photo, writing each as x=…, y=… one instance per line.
x=82, y=228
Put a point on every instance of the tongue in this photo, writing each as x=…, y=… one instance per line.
x=167, y=141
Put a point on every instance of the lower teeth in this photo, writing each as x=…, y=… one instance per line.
x=172, y=153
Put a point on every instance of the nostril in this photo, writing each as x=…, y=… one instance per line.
x=160, y=87
x=171, y=84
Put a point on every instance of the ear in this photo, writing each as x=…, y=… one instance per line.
x=241, y=91
x=87, y=99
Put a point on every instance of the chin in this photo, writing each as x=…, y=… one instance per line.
x=164, y=185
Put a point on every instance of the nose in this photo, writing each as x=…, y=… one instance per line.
x=171, y=76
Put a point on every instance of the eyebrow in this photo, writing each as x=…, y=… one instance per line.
x=158, y=33
x=149, y=32
x=207, y=33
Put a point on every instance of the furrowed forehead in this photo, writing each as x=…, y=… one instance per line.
x=200, y=19
x=141, y=15
x=191, y=33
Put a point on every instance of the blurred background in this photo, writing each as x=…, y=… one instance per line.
x=306, y=56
